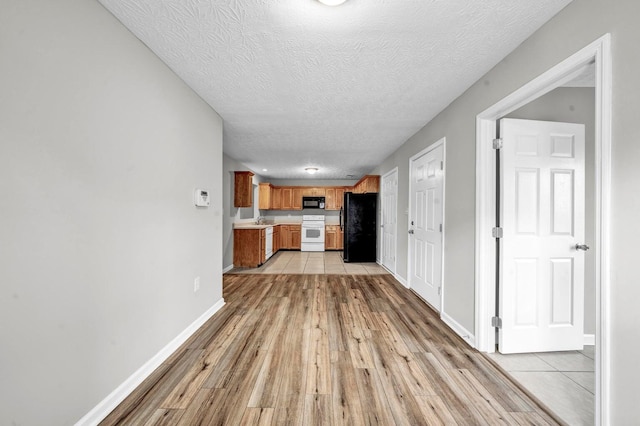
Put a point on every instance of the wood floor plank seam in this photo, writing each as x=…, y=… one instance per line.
x=315, y=349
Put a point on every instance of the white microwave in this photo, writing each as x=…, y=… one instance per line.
x=313, y=202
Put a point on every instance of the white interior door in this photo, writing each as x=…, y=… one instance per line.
x=389, y=219
x=425, y=225
x=541, y=296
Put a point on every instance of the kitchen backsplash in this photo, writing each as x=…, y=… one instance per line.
x=331, y=217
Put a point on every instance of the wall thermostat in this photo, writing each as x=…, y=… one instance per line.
x=202, y=198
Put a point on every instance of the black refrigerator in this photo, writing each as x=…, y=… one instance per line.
x=358, y=221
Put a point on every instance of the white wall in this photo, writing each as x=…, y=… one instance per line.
x=101, y=147
x=579, y=24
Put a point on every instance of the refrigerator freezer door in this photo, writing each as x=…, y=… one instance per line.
x=360, y=231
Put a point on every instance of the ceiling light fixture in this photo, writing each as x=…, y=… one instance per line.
x=311, y=170
x=332, y=2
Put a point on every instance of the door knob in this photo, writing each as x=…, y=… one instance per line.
x=582, y=247
x=411, y=231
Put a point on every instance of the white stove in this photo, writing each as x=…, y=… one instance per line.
x=312, y=232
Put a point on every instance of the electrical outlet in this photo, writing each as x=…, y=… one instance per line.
x=196, y=284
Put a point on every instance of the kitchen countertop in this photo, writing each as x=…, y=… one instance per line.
x=250, y=226
x=263, y=226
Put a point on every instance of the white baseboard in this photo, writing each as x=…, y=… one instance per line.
x=589, y=339
x=459, y=329
x=401, y=280
x=107, y=405
x=227, y=269
x=396, y=276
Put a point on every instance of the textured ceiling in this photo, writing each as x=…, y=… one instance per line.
x=302, y=84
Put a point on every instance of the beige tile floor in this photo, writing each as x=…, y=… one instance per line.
x=563, y=381
x=298, y=262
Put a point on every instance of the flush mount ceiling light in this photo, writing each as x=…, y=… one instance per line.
x=332, y=2
x=311, y=170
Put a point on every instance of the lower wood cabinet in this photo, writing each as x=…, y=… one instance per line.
x=333, y=237
x=276, y=239
x=249, y=244
x=249, y=247
x=290, y=237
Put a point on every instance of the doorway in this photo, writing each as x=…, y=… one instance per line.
x=389, y=220
x=426, y=223
x=598, y=54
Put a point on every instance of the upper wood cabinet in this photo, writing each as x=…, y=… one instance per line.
x=264, y=202
x=243, y=189
x=368, y=184
x=330, y=199
x=334, y=197
x=276, y=198
x=297, y=199
x=313, y=191
x=287, y=198
x=340, y=197
x=290, y=197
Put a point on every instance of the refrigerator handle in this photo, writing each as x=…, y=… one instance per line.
x=341, y=210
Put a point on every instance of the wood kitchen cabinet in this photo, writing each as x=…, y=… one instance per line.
x=368, y=184
x=290, y=197
x=264, y=194
x=290, y=237
x=340, y=197
x=276, y=239
x=330, y=199
x=295, y=231
x=287, y=198
x=312, y=191
x=249, y=247
x=334, y=198
x=243, y=189
x=276, y=198
x=333, y=237
x=297, y=199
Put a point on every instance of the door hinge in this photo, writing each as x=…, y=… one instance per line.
x=497, y=232
x=440, y=227
x=496, y=322
x=497, y=143
x=439, y=289
x=442, y=165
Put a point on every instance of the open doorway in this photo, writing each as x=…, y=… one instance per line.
x=551, y=348
x=596, y=55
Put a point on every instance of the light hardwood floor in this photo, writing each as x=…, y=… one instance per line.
x=325, y=349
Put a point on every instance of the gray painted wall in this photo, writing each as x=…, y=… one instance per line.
x=575, y=105
x=579, y=24
x=101, y=148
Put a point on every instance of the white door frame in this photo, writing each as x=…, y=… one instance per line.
x=395, y=245
x=598, y=52
x=428, y=149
